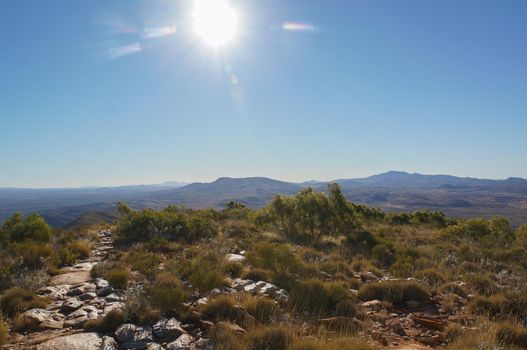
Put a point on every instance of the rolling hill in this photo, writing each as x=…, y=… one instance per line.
x=392, y=191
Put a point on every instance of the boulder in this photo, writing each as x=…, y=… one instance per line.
x=41, y=319
x=184, y=342
x=235, y=258
x=80, y=341
x=113, y=298
x=131, y=336
x=105, y=291
x=168, y=330
x=71, y=305
x=154, y=346
x=125, y=332
x=372, y=304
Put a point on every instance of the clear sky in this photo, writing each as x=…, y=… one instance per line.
x=108, y=92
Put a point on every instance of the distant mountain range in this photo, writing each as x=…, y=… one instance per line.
x=392, y=191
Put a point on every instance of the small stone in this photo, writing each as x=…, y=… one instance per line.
x=87, y=296
x=105, y=291
x=125, y=332
x=113, y=298
x=101, y=283
x=108, y=343
x=235, y=258
x=71, y=305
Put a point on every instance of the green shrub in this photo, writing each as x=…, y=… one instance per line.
x=320, y=298
x=393, y=291
x=262, y=308
x=220, y=308
x=108, y=323
x=206, y=275
x=17, y=300
x=31, y=254
x=509, y=334
x=4, y=332
x=118, y=278
x=171, y=223
x=145, y=262
x=32, y=227
x=270, y=338
x=167, y=293
x=277, y=258
x=81, y=248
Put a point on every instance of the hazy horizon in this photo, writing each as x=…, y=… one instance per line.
x=188, y=182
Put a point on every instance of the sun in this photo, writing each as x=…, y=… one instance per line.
x=215, y=21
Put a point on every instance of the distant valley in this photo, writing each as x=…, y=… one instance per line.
x=392, y=191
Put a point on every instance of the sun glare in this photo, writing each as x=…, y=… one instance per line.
x=215, y=21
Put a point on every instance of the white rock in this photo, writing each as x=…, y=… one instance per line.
x=184, y=342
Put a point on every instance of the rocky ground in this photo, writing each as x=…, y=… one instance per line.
x=76, y=298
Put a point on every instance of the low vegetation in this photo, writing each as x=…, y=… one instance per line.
x=345, y=273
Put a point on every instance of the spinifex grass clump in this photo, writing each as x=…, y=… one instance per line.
x=108, y=323
x=17, y=300
x=394, y=291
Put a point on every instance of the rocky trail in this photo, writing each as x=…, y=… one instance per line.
x=76, y=297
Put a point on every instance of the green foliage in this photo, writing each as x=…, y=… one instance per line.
x=19, y=228
x=270, y=338
x=144, y=262
x=360, y=242
x=172, y=224
x=393, y=291
x=311, y=215
x=275, y=257
x=319, y=298
x=108, y=323
x=509, y=334
x=118, y=278
x=487, y=233
x=17, y=300
x=521, y=235
x=206, y=273
x=167, y=293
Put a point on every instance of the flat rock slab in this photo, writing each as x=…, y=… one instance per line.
x=80, y=341
x=71, y=278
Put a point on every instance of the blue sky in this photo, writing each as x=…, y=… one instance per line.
x=104, y=92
